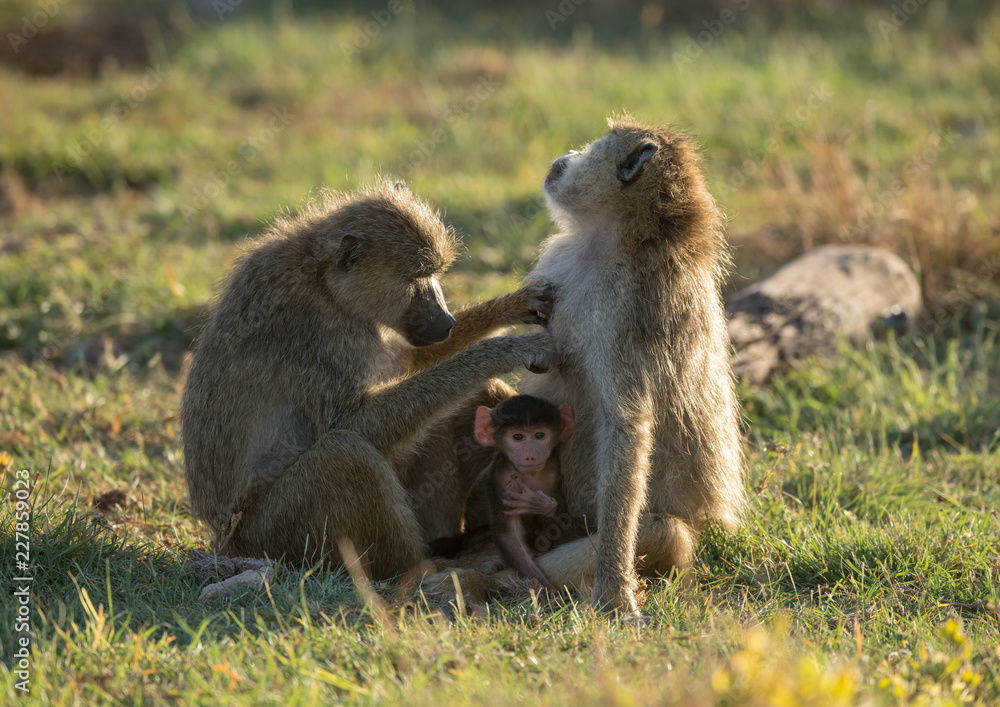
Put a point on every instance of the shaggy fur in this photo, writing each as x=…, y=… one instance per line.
x=643, y=359
x=304, y=393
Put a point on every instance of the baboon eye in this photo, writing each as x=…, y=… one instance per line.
x=539, y=435
x=518, y=436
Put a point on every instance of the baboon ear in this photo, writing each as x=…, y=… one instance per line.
x=348, y=252
x=484, y=426
x=628, y=170
x=567, y=420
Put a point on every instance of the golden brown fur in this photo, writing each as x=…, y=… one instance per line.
x=441, y=475
x=305, y=390
x=643, y=359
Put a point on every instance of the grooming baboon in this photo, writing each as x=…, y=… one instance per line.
x=307, y=384
x=643, y=358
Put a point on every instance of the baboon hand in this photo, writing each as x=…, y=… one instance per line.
x=521, y=500
x=532, y=304
x=539, y=352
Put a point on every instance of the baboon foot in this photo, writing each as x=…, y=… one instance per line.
x=616, y=597
x=477, y=588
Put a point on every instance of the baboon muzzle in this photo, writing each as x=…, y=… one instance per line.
x=428, y=321
x=558, y=167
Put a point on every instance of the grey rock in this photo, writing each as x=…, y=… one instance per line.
x=805, y=306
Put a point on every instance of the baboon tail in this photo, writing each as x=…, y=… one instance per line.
x=665, y=543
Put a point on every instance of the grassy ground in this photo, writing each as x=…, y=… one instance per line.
x=870, y=571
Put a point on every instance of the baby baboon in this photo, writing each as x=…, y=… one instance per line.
x=643, y=358
x=524, y=488
x=306, y=384
x=441, y=476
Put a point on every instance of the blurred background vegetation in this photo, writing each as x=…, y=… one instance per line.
x=141, y=143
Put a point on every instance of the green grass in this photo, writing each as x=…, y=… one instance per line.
x=870, y=568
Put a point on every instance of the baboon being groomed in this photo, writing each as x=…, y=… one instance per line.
x=643, y=359
x=324, y=361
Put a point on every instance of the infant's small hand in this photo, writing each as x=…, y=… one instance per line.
x=521, y=500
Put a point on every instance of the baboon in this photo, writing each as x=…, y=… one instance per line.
x=636, y=267
x=325, y=359
x=444, y=470
x=524, y=479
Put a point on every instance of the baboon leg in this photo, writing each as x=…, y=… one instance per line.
x=664, y=543
x=341, y=488
x=624, y=460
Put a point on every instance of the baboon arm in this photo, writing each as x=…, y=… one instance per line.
x=472, y=323
x=508, y=534
x=517, y=556
x=395, y=414
x=483, y=319
x=508, y=531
